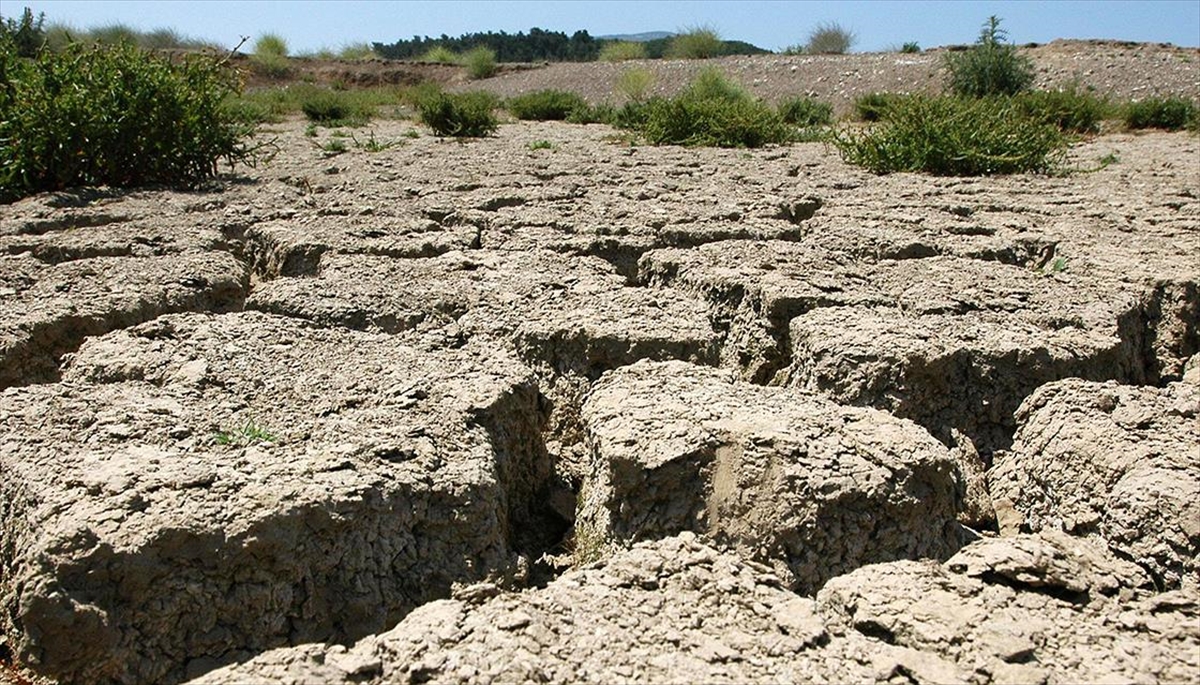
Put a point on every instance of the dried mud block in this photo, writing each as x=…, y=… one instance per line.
x=756, y=288
x=63, y=239
x=294, y=247
x=202, y=487
x=1030, y=609
x=48, y=309
x=1172, y=312
x=671, y=611
x=789, y=477
x=1115, y=461
x=963, y=344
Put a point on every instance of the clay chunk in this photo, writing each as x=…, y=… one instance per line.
x=1116, y=461
x=203, y=487
x=790, y=477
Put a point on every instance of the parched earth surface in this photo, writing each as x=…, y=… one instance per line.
x=490, y=411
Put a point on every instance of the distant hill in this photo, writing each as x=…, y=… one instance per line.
x=638, y=37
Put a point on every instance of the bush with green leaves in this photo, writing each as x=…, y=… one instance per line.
x=701, y=42
x=910, y=48
x=804, y=111
x=333, y=107
x=1071, y=110
x=1171, y=113
x=622, y=51
x=545, y=105
x=27, y=34
x=712, y=112
x=875, y=106
x=952, y=136
x=464, y=115
x=829, y=39
x=480, y=62
x=116, y=116
x=990, y=66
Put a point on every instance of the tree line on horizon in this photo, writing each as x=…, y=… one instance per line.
x=538, y=45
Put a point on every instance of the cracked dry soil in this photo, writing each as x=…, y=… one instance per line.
x=801, y=423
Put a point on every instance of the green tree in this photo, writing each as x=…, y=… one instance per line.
x=27, y=34
x=990, y=67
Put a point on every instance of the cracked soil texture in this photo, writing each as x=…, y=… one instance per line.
x=490, y=411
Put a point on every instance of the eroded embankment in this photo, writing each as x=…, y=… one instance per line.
x=459, y=361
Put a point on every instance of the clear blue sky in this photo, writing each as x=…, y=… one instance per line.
x=309, y=25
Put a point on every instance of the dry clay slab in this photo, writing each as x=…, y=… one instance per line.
x=789, y=477
x=1121, y=462
x=1032, y=609
x=203, y=487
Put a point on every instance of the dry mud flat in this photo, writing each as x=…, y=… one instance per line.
x=341, y=418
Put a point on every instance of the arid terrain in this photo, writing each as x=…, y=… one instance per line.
x=549, y=406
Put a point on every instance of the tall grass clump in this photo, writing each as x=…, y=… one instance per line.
x=113, y=115
x=480, y=62
x=634, y=84
x=545, y=105
x=270, y=56
x=622, y=51
x=700, y=42
x=950, y=136
x=357, y=52
x=1071, y=110
x=989, y=67
x=711, y=112
x=829, y=39
x=1171, y=113
x=465, y=115
x=440, y=54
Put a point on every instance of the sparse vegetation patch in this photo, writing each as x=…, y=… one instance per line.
x=949, y=136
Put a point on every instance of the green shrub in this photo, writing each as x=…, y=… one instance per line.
x=990, y=67
x=635, y=84
x=621, y=51
x=466, y=115
x=326, y=106
x=592, y=114
x=700, y=42
x=440, y=55
x=949, y=136
x=27, y=34
x=711, y=111
x=114, y=116
x=480, y=62
x=714, y=123
x=910, y=48
x=802, y=111
x=1171, y=114
x=829, y=39
x=1070, y=110
x=634, y=115
x=875, y=106
x=545, y=105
